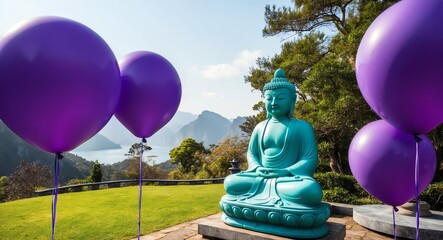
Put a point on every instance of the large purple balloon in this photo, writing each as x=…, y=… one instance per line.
x=59, y=82
x=151, y=93
x=382, y=159
x=399, y=65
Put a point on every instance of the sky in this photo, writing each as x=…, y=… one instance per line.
x=211, y=43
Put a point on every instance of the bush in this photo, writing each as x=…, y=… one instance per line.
x=3, y=184
x=434, y=196
x=338, y=194
x=345, y=189
x=77, y=181
x=332, y=180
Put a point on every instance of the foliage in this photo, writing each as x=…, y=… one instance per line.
x=331, y=180
x=217, y=163
x=434, y=196
x=3, y=185
x=77, y=181
x=167, y=166
x=436, y=136
x=252, y=121
x=96, y=172
x=321, y=65
x=148, y=171
x=343, y=189
x=186, y=156
x=135, y=148
x=307, y=16
x=116, y=171
x=26, y=179
x=109, y=213
x=338, y=194
x=177, y=175
x=13, y=150
x=132, y=170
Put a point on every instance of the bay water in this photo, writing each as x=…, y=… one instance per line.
x=110, y=156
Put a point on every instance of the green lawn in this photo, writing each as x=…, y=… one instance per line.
x=108, y=214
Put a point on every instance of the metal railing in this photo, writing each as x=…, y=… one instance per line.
x=119, y=183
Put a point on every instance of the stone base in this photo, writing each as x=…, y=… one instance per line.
x=379, y=218
x=217, y=229
x=408, y=209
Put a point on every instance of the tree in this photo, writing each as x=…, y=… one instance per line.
x=186, y=156
x=134, y=150
x=96, y=172
x=322, y=68
x=148, y=171
x=26, y=179
x=3, y=185
x=436, y=136
x=218, y=161
x=308, y=15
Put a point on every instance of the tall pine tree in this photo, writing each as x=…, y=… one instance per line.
x=318, y=56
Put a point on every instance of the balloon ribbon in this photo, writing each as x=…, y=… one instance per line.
x=58, y=156
x=394, y=209
x=417, y=205
x=140, y=183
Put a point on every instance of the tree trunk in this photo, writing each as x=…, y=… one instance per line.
x=334, y=164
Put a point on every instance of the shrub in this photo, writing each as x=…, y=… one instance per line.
x=77, y=181
x=338, y=194
x=3, y=184
x=434, y=196
x=331, y=180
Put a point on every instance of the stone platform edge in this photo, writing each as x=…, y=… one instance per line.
x=217, y=229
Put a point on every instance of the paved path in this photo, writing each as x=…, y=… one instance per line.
x=188, y=230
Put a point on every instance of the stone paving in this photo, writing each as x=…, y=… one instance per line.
x=188, y=230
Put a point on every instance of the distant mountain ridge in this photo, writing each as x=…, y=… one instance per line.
x=97, y=142
x=13, y=149
x=209, y=127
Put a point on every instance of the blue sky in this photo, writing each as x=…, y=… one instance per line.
x=211, y=43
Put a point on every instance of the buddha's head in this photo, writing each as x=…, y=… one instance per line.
x=280, y=96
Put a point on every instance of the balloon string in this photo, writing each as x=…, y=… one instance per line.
x=58, y=156
x=140, y=181
x=417, y=205
x=394, y=209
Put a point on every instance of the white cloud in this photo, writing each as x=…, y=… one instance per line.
x=236, y=68
x=247, y=58
x=219, y=71
x=209, y=94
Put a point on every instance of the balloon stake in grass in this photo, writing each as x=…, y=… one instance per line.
x=59, y=85
x=151, y=94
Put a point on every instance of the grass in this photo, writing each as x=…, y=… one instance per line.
x=108, y=214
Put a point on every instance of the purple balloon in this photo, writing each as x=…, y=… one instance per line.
x=59, y=82
x=399, y=65
x=382, y=159
x=151, y=93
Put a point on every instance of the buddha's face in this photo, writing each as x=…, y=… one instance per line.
x=278, y=102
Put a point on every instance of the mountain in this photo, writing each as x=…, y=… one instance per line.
x=235, y=129
x=209, y=127
x=97, y=142
x=13, y=150
x=179, y=120
x=117, y=133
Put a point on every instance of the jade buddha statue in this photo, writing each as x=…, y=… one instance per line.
x=277, y=194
